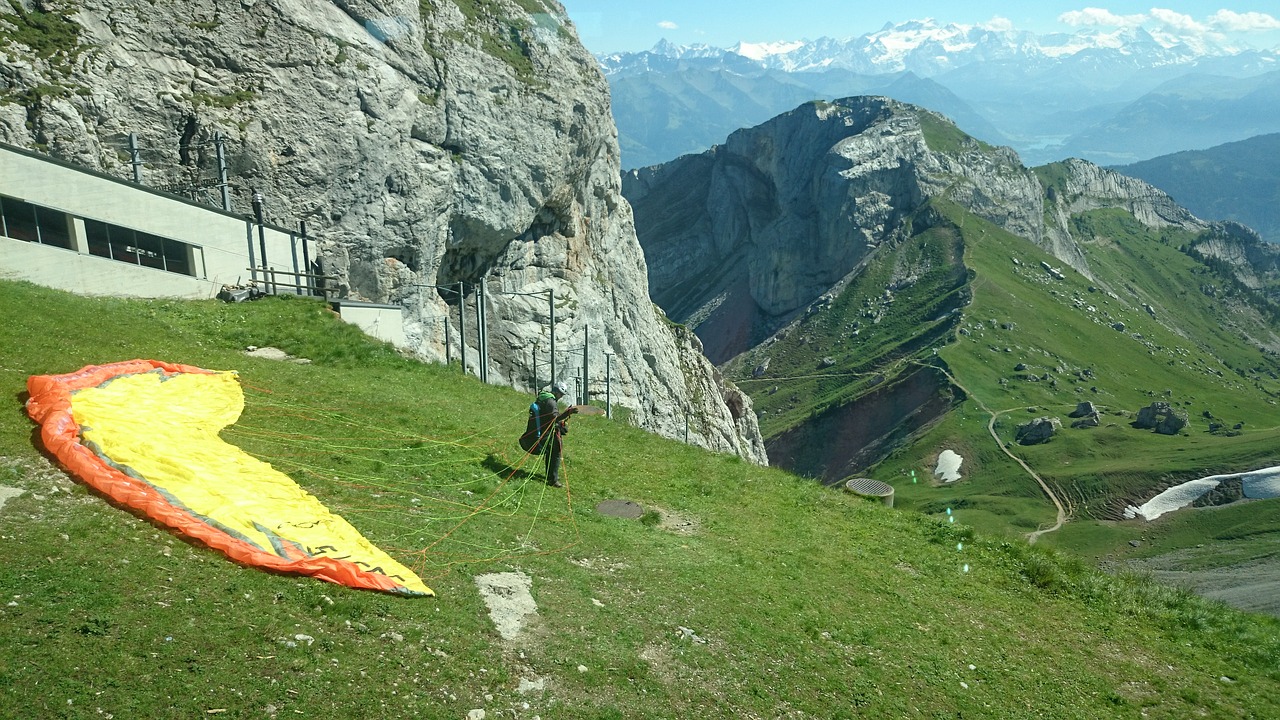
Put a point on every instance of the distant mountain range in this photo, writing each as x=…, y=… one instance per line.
x=1237, y=181
x=1110, y=98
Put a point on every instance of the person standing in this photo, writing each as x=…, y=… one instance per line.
x=547, y=425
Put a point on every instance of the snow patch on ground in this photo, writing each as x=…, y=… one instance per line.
x=1258, y=485
x=948, y=466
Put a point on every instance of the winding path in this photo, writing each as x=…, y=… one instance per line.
x=991, y=428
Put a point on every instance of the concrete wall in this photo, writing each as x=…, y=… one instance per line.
x=88, y=275
x=381, y=321
x=221, y=241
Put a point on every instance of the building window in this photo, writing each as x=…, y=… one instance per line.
x=24, y=221
x=131, y=246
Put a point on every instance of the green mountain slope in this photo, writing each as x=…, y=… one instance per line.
x=912, y=356
x=1236, y=181
x=742, y=592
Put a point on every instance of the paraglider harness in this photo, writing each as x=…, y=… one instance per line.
x=545, y=422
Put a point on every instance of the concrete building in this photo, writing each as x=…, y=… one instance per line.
x=86, y=232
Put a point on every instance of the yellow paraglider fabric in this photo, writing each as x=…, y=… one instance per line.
x=146, y=434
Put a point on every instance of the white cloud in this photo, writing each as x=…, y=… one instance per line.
x=1177, y=21
x=997, y=24
x=668, y=25
x=1231, y=21
x=1099, y=16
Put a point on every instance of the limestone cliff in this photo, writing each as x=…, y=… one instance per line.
x=743, y=236
x=426, y=143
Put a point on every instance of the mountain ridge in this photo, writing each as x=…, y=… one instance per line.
x=1048, y=97
x=844, y=262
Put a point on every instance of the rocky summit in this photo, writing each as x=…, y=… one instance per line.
x=424, y=143
x=826, y=258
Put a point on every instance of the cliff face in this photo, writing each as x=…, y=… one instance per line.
x=426, y=143
x=743, y=236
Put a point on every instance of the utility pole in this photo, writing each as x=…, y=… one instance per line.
x=135, y=158
x=262, y=233
x=462, y=326
x=586, y=375
x=551, y=306
x=222, y=171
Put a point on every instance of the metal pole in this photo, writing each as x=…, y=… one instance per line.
x=262, y=233
x=222, y=171
x=135, y=158
x=253, y=265
x=448, y=348
x=306, y=259
x=482, y=336
x=462, y=326
x=586, y=376
x=533, y=368
x=551, y=305
x=608, y=386
x=686, y=428
x=297, y=277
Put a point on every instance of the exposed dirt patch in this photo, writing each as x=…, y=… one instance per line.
x=678, y=523
x=509, y=601
x=1252, y=586
x=621, y=509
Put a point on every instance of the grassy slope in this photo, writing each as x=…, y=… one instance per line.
x=809, y=600
x=1063, y=330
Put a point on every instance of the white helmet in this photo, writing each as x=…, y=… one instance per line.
x=560, y=389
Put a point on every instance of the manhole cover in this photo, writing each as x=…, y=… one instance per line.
x=620, y=508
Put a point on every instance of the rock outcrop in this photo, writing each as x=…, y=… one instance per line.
x=1161, y=417
x=1078, y=186
x=751, y=231
x=425, y=143
x=1040, y=430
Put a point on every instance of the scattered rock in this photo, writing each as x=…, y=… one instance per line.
x=1038, y=431
x=1088, y=421
x=761, y=369
x=270, y=353
x=1161, y=417
x=1084, y=409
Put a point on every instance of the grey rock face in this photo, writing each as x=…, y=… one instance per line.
x=1040, y=430
x=426, y=144
x=1253, y=261
x=1084, y=187
x=1084, y=409
x=1161, y=417
x=759, y=227
x=1088, y=421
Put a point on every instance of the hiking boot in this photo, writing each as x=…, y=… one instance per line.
x=554, y=482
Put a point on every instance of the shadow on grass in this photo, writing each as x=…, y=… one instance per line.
x=527, y=469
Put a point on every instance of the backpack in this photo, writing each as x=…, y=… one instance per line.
x=530, y=441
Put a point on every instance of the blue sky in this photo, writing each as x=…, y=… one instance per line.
x=630, y=25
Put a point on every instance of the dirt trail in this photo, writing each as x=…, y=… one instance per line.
x=991, y=428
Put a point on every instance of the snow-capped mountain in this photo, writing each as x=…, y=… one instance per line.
x=927, y=49
x=1091, y=94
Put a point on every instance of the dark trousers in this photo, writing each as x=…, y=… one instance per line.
x=551, y=454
